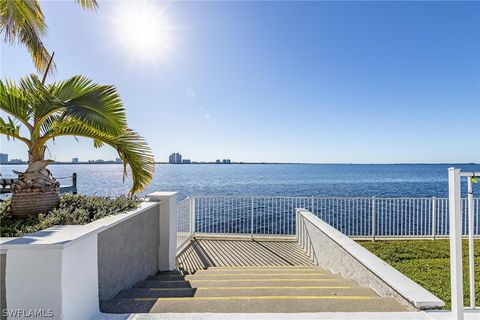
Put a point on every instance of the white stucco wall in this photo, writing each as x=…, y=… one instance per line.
x=33, y=281
x=59, y=281
x=56, y=270
x=80, y=279
x=168, y=228
x=335, y=251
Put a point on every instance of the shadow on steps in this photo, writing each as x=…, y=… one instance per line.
x=165, y=284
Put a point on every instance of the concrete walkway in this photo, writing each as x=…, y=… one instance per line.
x=419, y=315
x=214, y=252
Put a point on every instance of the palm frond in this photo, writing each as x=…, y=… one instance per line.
x=14, y=15
x=23, y=21
x=98, y=143
x=131, y=148
x=47, y=124
x=42, y=102
x=11, y=130
x=14, y=101
x=39, y=53
x=97, y=105
x=135, y=152
x=88, y=4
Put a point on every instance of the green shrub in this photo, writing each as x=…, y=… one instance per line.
x=72, y=210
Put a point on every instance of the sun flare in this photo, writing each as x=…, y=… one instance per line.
x=143, y=30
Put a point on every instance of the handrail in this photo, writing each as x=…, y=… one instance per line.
x=6, y=184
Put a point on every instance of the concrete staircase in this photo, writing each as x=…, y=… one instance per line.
x=248, y=289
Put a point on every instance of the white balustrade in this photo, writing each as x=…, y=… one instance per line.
x=357, y=217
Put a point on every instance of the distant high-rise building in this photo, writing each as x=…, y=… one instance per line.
x=226, y=161
x=3, y=158
x=74, y=160
x=186, y=161
x=118, y=160
x=218, y=161
x=175, y=158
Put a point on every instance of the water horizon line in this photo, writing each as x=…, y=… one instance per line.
x=263, y=163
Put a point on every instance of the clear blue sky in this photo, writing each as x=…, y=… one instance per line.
x=361, y=82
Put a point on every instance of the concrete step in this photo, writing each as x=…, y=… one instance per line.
x=171, y=273
x=246, y=291
x=268, y=282
x=245, y=283
x=284, y=291
x=283, y=304
x=253, y=276
x=252, y=268
x=156, y=293
x=244, y=276
x=167, y=277
x=262, y=271
x=163, y=284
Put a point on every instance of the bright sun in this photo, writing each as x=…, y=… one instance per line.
x=143, y=30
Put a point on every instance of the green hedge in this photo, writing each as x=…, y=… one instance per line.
x=72, y=210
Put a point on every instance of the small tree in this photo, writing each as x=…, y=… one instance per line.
x=75, y=107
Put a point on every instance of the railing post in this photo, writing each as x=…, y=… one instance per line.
x=297, y=226
x=192, y=217
x=456, y=272
x=434, y=218
x=251, y=217
x=312, y=205
x=471, y=230
x=373, y=219
x=74, y=183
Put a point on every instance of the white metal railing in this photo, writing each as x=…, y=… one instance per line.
x=185, y=222
x=457, y=209
x=359, y=217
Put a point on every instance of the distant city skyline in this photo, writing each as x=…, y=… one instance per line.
x=311, y=82
x=177, y=158
x=4, y=158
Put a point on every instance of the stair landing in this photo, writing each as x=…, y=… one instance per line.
x=213, y=252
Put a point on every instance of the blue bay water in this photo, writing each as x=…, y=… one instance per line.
x=346, y=180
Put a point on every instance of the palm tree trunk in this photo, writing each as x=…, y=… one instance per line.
x=36, y=190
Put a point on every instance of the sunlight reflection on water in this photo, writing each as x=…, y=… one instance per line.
x=278, y=179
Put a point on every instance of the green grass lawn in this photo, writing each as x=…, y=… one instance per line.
x=427, y=263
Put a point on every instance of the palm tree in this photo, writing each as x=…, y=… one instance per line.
x=23, y=21
x=75, y=107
